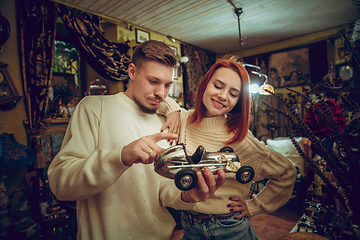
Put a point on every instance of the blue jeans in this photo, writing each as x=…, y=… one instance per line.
x=216, y=229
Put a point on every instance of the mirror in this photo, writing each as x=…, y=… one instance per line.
x=98, y=87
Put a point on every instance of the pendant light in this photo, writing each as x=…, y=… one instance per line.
x=265, y=86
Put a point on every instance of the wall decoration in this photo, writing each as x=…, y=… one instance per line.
x=63, y=93
x=9, y=96
x=142, y=36
x=175, y=68
x=342, y=54
x=5, y=30
x=283, y=66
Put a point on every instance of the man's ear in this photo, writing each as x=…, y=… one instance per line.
x=131, y=70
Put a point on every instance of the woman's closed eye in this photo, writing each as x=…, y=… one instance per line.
x=217, y=87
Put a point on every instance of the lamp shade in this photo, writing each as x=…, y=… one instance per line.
x=267, y=87
x=184, y=59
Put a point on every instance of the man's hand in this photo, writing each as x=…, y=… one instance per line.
x=144, y=150
x=238, y=206
x=205, y=187
x=173, y=122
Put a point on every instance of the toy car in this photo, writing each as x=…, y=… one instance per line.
x=174, y=163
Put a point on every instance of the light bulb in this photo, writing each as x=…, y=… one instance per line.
x=254, y=88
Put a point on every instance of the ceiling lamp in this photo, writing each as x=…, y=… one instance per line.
x=265, y=86
x=184, y=59
x=266, y=89
x=238, y=12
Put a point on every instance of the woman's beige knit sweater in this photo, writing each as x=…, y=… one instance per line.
x=211, y=133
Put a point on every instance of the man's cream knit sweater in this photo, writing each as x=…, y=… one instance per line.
x=113, y=201
x=211, y=133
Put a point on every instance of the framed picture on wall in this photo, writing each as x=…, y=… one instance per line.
x=283, y=67
x=175, y=68
x=141, y=35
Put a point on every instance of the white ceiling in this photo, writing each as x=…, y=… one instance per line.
x=213, y=24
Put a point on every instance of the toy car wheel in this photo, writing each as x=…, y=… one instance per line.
x=226, y=149
x=186, y=180
x=245, y=174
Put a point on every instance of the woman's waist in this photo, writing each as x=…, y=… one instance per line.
x=204, y=216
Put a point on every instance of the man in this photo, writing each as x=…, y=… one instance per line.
x=105, y=160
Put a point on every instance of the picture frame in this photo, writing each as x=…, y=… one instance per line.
x=175, y=68
x=142, y=35
x=286, y=64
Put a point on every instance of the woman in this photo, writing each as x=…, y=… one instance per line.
x=221, y=118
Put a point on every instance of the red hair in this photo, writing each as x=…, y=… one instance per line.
x=237, y=121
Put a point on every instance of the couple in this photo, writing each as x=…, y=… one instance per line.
x=105, y=160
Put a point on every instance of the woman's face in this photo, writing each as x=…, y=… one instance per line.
x=222, y=92
x=294, y=76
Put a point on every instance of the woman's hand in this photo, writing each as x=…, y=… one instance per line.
x=173, y=122
x=238, y=205
x=206, y=186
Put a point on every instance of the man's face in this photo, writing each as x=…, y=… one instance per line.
x=150, y=84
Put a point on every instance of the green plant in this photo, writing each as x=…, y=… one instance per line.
x=66, y=57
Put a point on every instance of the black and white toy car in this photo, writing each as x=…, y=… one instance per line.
x=174, y=163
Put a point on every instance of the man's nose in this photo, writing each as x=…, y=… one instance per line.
x=160, y=91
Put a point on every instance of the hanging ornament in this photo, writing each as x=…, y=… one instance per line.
x=346, y=72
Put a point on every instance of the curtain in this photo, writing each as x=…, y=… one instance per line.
x=36, y=26
x=107, y=58
x=200, y=61
x=318, y=60
x=36, y=21
x=36, y=32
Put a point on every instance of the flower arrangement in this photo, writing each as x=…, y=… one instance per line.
x=337, y=141
x=318, y=125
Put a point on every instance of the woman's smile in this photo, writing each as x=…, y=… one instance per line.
x=218, y=104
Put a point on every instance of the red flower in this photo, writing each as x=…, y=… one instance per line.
x=318, y=126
